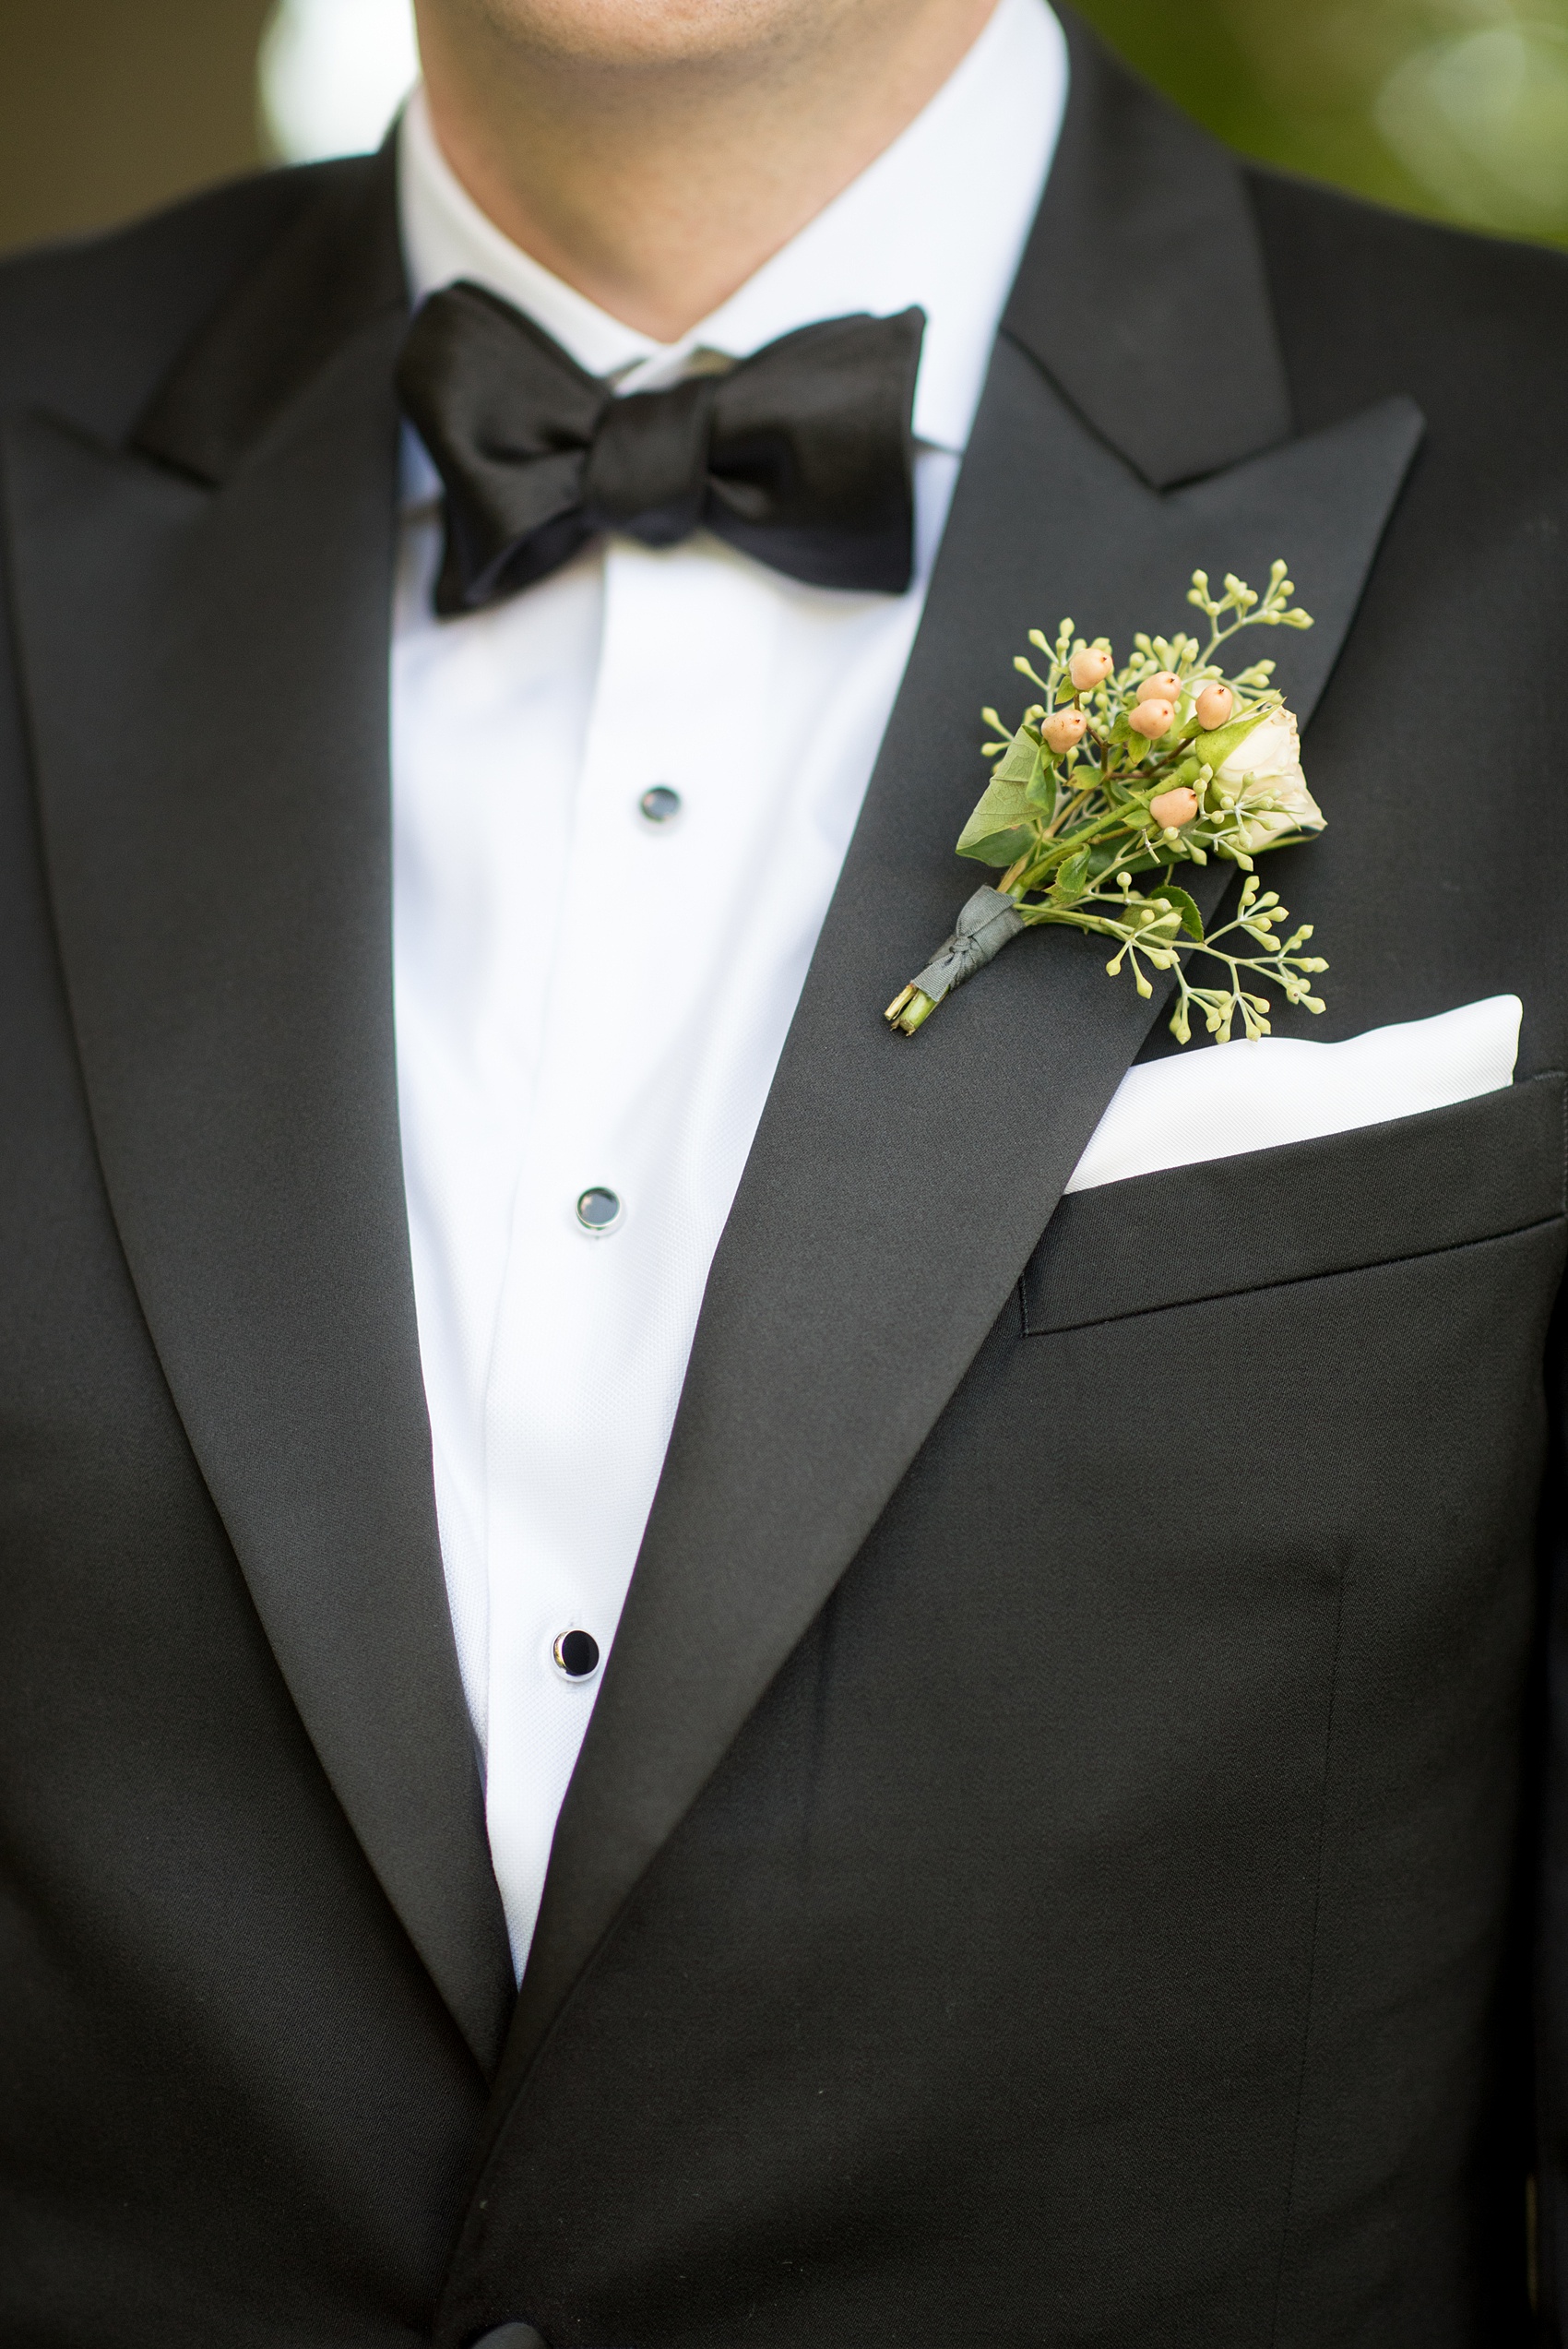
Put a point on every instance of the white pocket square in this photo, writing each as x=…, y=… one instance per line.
x=1225, y=1098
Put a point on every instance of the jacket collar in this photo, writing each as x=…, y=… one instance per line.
x=1142, y=293
x=335, y=269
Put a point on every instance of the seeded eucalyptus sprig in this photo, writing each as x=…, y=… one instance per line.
x=1120, y=773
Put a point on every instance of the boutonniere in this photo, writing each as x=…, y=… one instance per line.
x=1120, y=773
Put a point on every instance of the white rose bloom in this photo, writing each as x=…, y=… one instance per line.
x=1267, y=765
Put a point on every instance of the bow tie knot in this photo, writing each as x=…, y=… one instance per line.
x=800, y=456
x=646, y=468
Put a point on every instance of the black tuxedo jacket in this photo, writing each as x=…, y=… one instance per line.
x=1068, y=1834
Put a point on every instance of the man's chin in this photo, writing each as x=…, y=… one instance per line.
x=636, y=35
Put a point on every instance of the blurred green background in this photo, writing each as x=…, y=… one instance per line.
x=1456, y=107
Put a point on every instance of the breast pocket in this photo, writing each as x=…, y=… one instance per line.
x=1265, y=1473
x=1413, y=1186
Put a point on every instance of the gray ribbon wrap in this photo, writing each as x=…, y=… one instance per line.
x=984, y=925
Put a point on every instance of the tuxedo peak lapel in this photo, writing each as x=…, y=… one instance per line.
x=897, y=1188
x=207, y=673
x=1143, y=292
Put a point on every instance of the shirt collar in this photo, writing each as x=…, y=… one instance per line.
x=940, y=218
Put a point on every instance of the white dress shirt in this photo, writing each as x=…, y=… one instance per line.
x=588, y=999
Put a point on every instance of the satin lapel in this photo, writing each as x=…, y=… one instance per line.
x=206, y=670
x=896, y=1189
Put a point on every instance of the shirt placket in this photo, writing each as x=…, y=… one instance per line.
x=584, y=1379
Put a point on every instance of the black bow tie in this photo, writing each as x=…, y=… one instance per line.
x=800, y=456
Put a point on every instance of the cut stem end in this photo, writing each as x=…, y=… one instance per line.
x=910, y=1010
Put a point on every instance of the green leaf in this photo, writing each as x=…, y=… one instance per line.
x=1073, y=878
x=1192, y=920
x=993, y=848
x=1022, y=760
x=1001, y=826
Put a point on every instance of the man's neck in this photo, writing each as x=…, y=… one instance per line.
x=656, y=183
